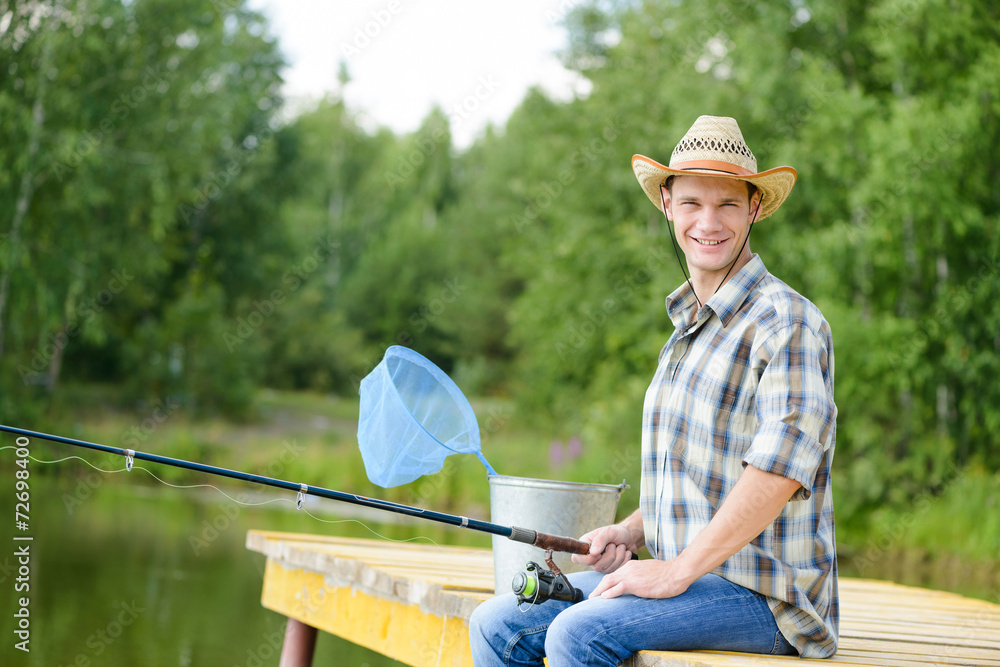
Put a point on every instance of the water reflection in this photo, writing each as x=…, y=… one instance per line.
x=133, y=575
x=127, y=574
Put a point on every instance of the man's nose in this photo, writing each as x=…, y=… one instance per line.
x=709, y=220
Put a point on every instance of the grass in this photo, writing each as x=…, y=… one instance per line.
x=311, y=438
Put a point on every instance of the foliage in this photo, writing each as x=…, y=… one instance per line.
x=161, y=229
x=151, y=120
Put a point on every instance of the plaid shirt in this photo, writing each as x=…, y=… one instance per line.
x=747, y=379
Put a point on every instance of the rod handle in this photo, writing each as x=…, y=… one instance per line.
x=564, y=544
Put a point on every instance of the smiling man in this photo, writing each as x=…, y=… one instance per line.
x=739, y=429
x=710, y=216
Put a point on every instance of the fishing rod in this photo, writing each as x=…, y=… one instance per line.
x=524, y=535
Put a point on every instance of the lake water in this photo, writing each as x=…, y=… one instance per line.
x=129, y=574
x=126, y=574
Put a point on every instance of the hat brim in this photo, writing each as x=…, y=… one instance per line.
x=773, y=184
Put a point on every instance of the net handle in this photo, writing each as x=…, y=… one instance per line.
x=489, y=468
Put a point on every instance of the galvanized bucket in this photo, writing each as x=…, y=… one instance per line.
x=569, y=509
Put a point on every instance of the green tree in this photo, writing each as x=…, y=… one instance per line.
x=146, y=106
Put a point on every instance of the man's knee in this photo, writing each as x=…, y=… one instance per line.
x=499, y=633
x=483, y=620
x=578, y=635
x=482, y=634
x=567, y=635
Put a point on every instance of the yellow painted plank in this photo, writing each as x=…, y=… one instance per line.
x=883, y=623
x=399, y=630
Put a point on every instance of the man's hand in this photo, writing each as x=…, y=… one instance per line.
x=645, y=579
x=612, y=546
x=607, y=548
x=755, y=501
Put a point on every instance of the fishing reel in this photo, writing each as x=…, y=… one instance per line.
x=536, y=584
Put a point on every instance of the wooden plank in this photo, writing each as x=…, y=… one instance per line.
x=911, y=631
x=400, y=630
x=844, y=657
x=425, y=593
x=712, y=659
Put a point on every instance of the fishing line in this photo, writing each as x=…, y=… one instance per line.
x=539, y=539
x=524, y=610
x=238, y=502
x=66, y=459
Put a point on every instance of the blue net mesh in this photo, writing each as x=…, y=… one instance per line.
x=412, y=417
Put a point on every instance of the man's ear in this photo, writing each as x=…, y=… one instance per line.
x=665, y=198
x=754, y=204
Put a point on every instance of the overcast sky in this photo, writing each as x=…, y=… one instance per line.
x=474, y=59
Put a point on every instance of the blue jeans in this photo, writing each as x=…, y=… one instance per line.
x=712, y=614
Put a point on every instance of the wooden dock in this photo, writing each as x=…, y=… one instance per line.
x=412, y=603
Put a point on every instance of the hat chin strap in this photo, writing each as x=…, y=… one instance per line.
x=673, y=241
x=745, y=241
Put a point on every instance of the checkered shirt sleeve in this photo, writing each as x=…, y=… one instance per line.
x=747, y=379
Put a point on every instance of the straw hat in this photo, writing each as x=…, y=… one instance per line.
x=714, y=146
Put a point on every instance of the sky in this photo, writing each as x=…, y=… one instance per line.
x=476, y=60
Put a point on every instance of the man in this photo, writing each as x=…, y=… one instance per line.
x=739, y=428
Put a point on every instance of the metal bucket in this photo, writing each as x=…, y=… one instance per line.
x=569, y=509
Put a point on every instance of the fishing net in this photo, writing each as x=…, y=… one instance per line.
x=412, y=417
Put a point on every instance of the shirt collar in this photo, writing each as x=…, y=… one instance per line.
x=725, y=303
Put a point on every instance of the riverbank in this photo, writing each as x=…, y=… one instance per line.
x=948, y=539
